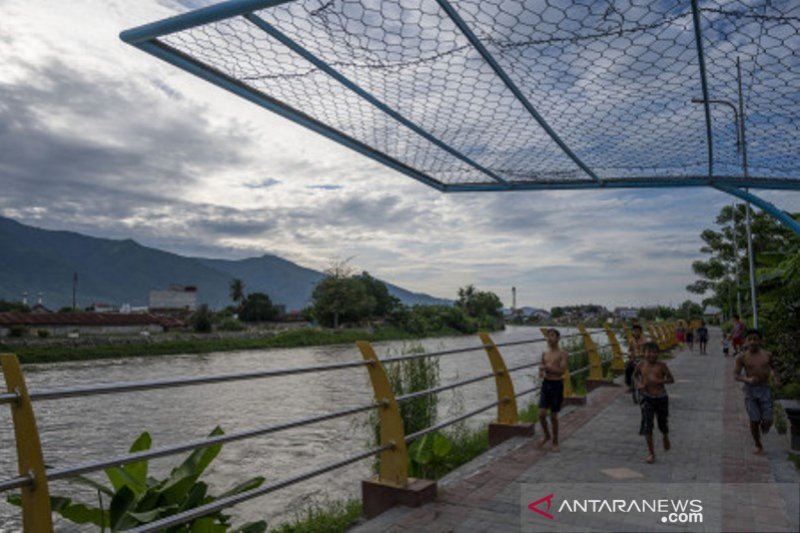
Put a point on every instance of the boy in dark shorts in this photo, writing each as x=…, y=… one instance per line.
x=551, y=370
x=757, y=364
x=651, y=375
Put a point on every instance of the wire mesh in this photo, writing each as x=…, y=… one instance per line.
x=614, y=79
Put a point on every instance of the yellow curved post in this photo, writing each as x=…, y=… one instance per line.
x=595, y=366
x=651, y=330
x=567, y=375
x=507, y=408
x=36, y=513
x=617, y=363
x=394, y=461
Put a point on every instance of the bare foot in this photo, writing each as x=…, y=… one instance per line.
x=667, y=444
x=758, y=451
x=556, y=448
x=650, y=459
x=541, y=442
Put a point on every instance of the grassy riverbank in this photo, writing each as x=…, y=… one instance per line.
x=285, y=339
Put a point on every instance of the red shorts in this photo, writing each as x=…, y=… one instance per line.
x=737, y=342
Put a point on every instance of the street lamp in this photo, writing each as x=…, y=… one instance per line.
x=741, y=148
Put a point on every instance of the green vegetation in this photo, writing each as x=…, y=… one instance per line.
x=13, y=307
x=777, y=260
x=332, y=517
x=202, y=320
x=781, y=422
x=284, y=339
x=135, y=498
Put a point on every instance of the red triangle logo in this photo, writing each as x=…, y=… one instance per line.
x=549, y=500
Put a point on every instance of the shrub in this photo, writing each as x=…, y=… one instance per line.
x=17, y=331
x=43, y=333
x=231, y=324
x=202, y=320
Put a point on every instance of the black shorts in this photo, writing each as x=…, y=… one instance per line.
x=654, y=407
x=551, y=395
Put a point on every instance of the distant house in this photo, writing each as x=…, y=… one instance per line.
x=712, y=312
x=625, y=313
x=175, y=297
x=61, y=324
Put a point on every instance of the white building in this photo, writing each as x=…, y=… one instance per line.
x=175, y=297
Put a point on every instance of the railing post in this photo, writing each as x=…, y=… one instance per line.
x=36, y=512
x=595, y=377
x=617, y=362
x=392, y=486
x=394, y=461
x=507, y=424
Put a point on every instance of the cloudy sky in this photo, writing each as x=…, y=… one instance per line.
x=100, y=138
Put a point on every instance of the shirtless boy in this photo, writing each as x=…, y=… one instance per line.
x=634, y=357
x=651, y=375
x=757, y=365
x=551, y=395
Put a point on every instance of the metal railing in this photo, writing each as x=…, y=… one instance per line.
x=33, y=477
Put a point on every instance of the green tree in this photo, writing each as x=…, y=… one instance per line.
x=479, y=304
x=13, y=307
x=385, y=303
x=202, y=319
x=257, y=308
x=340, y=297
x=717, y=274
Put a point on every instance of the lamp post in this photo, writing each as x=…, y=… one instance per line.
x=741, y=148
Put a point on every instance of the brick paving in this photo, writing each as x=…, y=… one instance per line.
x=711, y=443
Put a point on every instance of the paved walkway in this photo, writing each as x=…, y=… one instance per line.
x=600, y=443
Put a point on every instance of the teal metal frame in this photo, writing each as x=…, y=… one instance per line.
x=146, y=38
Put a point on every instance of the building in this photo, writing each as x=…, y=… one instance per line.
x=625, y=313
x=175, y=297
x=64, y=324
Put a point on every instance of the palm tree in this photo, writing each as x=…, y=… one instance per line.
x=237, y=292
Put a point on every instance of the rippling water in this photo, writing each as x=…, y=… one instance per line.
x=85, y=429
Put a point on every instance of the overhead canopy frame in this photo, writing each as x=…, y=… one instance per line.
x=504, y=95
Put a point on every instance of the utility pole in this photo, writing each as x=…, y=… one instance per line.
x=74, y=290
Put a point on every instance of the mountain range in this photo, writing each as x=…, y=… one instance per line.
x=116, y=272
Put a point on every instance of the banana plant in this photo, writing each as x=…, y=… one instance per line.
x=136, y=498
x=429, y=453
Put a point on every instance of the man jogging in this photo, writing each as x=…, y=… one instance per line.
x=651, y=375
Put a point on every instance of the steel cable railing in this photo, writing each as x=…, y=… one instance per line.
x=137, y=386
x=123, y=387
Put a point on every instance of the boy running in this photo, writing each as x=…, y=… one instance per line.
x=635, y=353
x=551, y=395
x=757, y=364
x=651, y=375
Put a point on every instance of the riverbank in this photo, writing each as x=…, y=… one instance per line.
x=154, y=346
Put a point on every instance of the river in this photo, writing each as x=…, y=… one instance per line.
x=85, y=429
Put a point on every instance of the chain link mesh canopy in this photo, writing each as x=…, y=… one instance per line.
x=471, y=95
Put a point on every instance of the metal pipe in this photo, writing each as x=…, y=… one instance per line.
x=67, y=472
x=767, y=207
x=135, y=386
x=435, y=390
x=230, y=501
x=698, y=38
x=15, y=483
x=633, y=182
x=198, y=17
x=450, y=422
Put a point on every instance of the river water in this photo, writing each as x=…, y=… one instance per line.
x=85, y=429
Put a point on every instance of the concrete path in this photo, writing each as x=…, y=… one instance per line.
x=600, y=444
